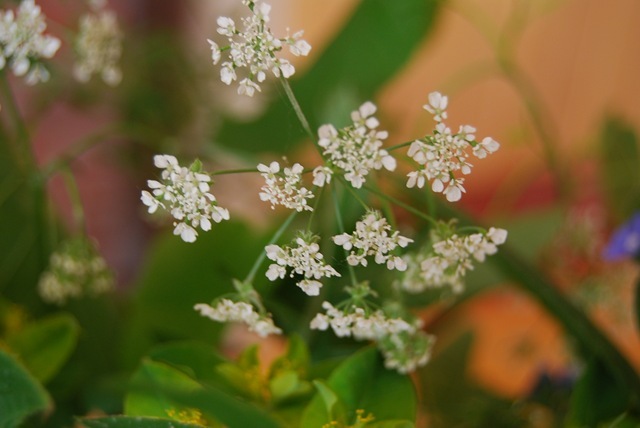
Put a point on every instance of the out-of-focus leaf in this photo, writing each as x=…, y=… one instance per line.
x=597, y=396
x=177, y=276
x=622, y=421
x=197, y=359
x=296, y=358
x=151, y=382
x=391, y=424
x=134, y=422
x=620, y=160
x=372, y=47
x=45, y=345
x=20, y=394
x=452, y=400
x=159, y=388
x=362, y=382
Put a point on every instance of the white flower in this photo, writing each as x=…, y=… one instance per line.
x=253, y=49
x=75, y=269
x=437, y=106
x=449, y=260
x=406, y=351
x=185, y=195
x=357, y=323
x=443, y=156
x=357, y=148
x=23, y=44
x=284, y=188
x=98, y=48
x=373, y=237
x=230, y=311
x=303, y=258
x=321, y=175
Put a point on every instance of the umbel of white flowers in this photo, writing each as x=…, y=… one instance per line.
x=184, y=193
x=23, y=44
x=443, y=155
x=98, y=48
x=252, y=49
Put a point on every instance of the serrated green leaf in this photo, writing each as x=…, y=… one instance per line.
x=133, y=422
x=362, y=382
x=45, y=345
x=20, y=394
x=372, y=47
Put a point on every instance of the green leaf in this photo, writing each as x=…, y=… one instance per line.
x=620, y=160
x=133, y=422
x=454, y=400
x=159, y=388
x=45, y=345
x=361, y=382
x=196, y=359
x=177, y=276
x=371, y=48
x=297, y=357
x=151, y=382
x=20, y=394
x=597, y=396
x=391, y=424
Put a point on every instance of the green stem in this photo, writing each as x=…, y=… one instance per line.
x=399, y=146
x=76, y=201
x=298, y=110
x=233, y=171
x=401, y=204
x=25, y=155
x=352, y=272
x=263, y=254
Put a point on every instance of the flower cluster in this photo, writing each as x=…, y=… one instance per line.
x=360, y=324
x=23, y=44
x=229, y=311
x=406, y=351
x=355, y=149
x=451, y=258
x=254, y=48
x=75, y=270
x=184, y=192
x=98, y=47
x=304, y=259
x=444, y=154
x=372, y=237
x=284, y=188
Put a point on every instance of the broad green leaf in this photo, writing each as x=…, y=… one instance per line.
x=151, y=384
x=20, y=394
x=287, y=385
x=133, y=422
x=361, y=382
x=598, y=396
x=158, y=388
x=371, y=48
x=45, y=345
x=195, y=358
x=391, y=424
x=620, y=160
x=177, y=276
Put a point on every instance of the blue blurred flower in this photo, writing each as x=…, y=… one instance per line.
x=625, y=242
